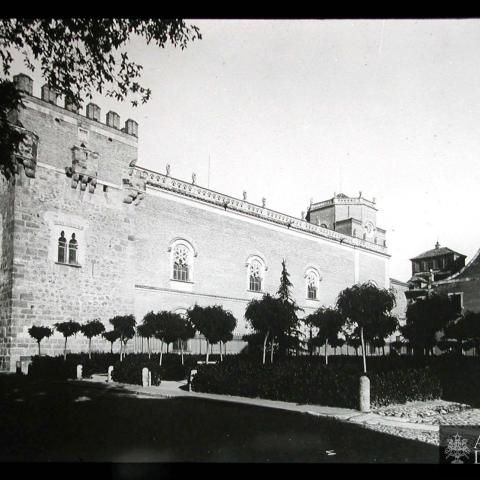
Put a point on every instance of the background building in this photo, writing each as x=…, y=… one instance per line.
x=86, y=233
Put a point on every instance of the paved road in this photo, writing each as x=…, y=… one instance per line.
x=60, y=421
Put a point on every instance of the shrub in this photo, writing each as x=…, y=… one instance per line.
x=130, y=369
x=60, y=369
x=303, y=381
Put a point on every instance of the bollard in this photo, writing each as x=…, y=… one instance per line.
x=149, y=378
x=190, y=379
x=25, y=366
x=79, y=372
x=109, y=373
x=145, y=373
x=364, y=394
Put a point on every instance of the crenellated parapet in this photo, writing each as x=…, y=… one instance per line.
x=192, y=190
x=84, y=168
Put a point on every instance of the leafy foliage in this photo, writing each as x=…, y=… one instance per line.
x=328, y=322
x=92, y=329
x=111, y=336
x=67, y=329
x=465, y=331
x=10, y=138
x=214, y=322
x=125, y=326
x=368, y=309
x=39, y=333
x=426, y=318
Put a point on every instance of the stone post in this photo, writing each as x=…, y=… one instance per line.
x=145, y=375
x=79, y=372
x=109, y=373
x=364, y=394
x=192, y=374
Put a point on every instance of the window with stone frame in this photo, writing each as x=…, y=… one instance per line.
x=313, y=281
x=181, y=263
x=62, y=248
x=255, y=275
x=72, y=250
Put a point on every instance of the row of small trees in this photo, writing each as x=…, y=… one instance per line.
x=213, y=322
x=362, y=313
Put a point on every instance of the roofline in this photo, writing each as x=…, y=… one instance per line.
x=455, y=275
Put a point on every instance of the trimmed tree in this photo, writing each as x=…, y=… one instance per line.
x=329, y=323
x=92, y=329
x=271, y=318
x=67, y=329
x=39, y=333
x=146, y=330
x=213, y=322
x=125, y=326
x=185, y=332
x=111, y=336
x=365, y=306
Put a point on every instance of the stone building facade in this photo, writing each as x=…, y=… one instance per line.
x=86, y=233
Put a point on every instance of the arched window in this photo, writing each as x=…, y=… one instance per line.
x=62, y=248
x=256, y=276
x=256, y=269
x=72, y=250
x=181, y=264
x=312, y=278
x=182, y=253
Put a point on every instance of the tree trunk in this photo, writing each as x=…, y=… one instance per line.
x=148, y=347
x=363, y=351
x=265, y=346
x=326, y=353
x=38, y=341
x=383, y=350
x=271, y=350
x=111, y=347
x=65, y=350
x=208, y=353
x=310, y=344
x=181, y=349
x=161, y=352
x=89, y=348
x=221, y=353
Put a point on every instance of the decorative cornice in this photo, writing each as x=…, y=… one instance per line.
x=342, y=201
x=205, y=195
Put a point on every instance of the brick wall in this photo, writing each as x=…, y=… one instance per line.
x=123, y=249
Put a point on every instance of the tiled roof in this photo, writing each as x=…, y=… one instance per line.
x=436, y=252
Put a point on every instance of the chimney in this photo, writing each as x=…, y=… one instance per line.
x=70, y=106
x=49, y=95
x=113, y=119
x=93, y=112
x=23, y=83
x=131, y=127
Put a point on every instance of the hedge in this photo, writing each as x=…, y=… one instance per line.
x=303, y=380
x=58, y=368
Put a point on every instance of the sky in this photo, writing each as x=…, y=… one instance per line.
x=293, y=110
